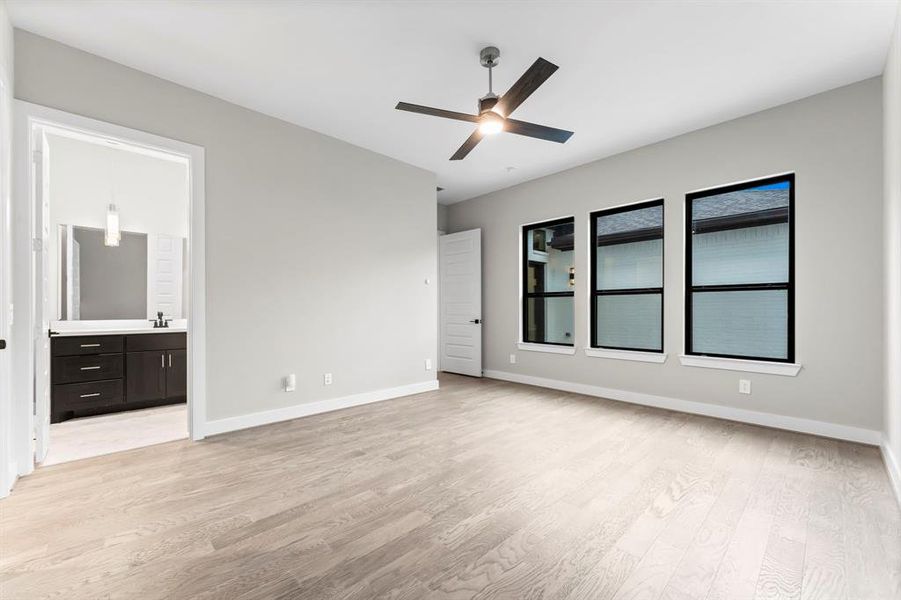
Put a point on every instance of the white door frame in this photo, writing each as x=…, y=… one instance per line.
x=31, y=120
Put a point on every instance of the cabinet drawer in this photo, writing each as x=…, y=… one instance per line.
x=72, y=369
x=96, y=344
x=75, y=396
x=142, y=342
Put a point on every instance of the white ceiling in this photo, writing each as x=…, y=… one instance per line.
x=631, y=73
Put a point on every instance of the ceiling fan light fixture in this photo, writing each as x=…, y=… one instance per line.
x=491, y=123
x=494, y=110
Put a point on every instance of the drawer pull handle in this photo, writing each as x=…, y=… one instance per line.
x=90, y=345
x=90, y=395
x=90, y=368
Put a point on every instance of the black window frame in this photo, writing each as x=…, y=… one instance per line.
x=625, y=238
x=724, y=223
x=526, y=294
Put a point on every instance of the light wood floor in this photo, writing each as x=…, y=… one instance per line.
x=481, y=490
x=76, y=439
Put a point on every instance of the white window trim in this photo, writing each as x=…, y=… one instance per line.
x=547, y=348
x=737, y=364
x=636, y=355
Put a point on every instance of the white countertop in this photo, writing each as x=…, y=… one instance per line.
x=129, y=327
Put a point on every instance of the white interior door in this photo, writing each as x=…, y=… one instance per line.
x=165, y=276
x=42, y=312
x=6, y=249
x=460, y=265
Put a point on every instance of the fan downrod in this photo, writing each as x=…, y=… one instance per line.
x=488, y=57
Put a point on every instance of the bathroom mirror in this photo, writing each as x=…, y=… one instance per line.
x=144, y=274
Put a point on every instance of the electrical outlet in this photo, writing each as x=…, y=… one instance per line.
x=428, y=364
x=512, y=359
x=290, y=383
x=744, y=386
x=327, y=379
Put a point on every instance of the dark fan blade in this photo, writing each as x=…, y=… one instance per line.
x=468, y=145
x=537, y=131
x=524, y=86
x=436, y=112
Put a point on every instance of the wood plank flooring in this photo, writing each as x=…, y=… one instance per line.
x=483, y=489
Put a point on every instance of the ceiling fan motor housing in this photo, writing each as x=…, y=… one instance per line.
x=487, y=102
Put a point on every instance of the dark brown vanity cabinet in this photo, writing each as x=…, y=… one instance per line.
x=177, y=375
x=98, y=374
x=157, y=375
x=147, y=375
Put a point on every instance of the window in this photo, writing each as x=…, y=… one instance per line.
x=548, y=280
x=627, y=278
x=740, y=271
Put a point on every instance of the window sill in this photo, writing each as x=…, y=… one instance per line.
x=636, y=355
x=548, y=348
x=737, y=364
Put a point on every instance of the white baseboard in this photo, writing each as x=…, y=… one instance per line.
x=832, y=430
x=893, y=467
x=314, y=408
x=9, y=480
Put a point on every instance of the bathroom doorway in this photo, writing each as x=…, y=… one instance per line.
x=114, y=330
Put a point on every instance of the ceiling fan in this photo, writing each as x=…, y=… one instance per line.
x=494, y=110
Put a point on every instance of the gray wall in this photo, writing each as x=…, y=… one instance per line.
x=832, y=141
x=442, y=217
x=113, y=280
x=301, y=276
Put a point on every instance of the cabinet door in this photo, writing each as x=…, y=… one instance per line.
x=145, y=376
x=177, y=374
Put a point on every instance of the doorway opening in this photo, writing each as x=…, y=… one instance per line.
x=115, y=268
x=113, y=345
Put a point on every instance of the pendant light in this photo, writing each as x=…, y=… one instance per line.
x=112, y=235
